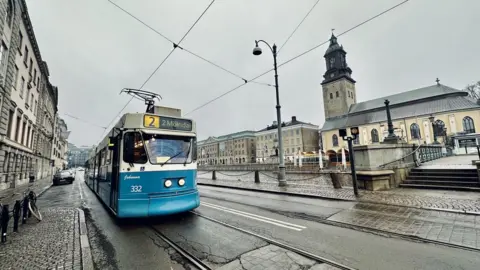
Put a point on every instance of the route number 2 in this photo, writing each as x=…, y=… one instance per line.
x=152, y=123
x=136, y=189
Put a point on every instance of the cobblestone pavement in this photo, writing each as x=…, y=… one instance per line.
x=321, y=186
x=272, y=257
x=452, y=228
x=8, y=196
x=53, y=243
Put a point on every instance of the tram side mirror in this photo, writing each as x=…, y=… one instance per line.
x=194, y=149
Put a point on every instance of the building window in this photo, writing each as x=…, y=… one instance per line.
x=331, y=96
x=374, y=134
x=336, y=94
x=20, y=41
x=25, y=55
x=439, y=128
x=30, y=67
x=468, y=125
x=415, y=131
x=297, y=131
x=28, y=96
x=10, y=12
x=28, y=137
x=35, y=108
x=357, y=139
x=22, y=87
x=17, y=128
x=335, y=140
x=24, y=125
x=31, y=102
x=34, y=75
x=10, y=123
x=3, y=59
x=15, y=76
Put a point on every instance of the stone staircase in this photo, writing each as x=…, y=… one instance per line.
x=446, y=178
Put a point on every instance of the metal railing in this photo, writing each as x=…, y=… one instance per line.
x=421, y=154
x=20, y=206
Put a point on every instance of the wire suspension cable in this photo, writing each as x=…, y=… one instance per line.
x=175, y=45
x=298, y=56
x=298, y=26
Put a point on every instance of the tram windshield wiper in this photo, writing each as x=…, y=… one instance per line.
x=188, y=153
x=177, y=154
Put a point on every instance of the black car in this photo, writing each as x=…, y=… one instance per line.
x=65, y=176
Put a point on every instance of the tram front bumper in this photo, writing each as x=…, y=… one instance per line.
x=157, y=206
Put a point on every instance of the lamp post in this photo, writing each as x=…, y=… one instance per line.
x=281, y=164
x=434, y=127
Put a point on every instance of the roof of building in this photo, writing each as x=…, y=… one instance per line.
x=419, y=102
x=292, y=122
x=228, y=136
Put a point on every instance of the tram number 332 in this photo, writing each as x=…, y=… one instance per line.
x=136, y=189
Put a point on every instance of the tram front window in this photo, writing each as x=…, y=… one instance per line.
x=168, y=149
x=133, y=150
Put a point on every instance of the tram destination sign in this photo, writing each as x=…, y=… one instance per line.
x=162, y=122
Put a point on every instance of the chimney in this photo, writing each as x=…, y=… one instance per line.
x=294, y=119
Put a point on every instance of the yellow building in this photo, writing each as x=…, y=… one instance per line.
x=452, y=111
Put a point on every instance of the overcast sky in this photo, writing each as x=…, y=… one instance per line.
x=94, y=50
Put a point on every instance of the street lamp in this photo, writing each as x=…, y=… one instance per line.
x=281, y=165
x=434, y=126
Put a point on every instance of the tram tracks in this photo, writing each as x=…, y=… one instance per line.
x=280, y=244
x=185, y=254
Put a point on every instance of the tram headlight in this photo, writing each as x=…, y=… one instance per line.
x=181, y=182
x=168, y=183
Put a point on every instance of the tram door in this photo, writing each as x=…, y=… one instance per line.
x=115, y=171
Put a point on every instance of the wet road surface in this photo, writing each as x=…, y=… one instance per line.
x=293, y=220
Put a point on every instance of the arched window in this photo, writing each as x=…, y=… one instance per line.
x=331, y=96
x=10, y=12
x=243, y=159
x=357, y=139
x=336, y=94
x=374, y=134
x=415, y=131
x=335, y=140
x=439, y=126
x=468, y=125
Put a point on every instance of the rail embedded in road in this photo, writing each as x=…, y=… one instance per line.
x=280, y=244
x=187, y=255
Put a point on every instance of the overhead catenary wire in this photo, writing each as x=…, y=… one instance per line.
x=298, y=56
x=175, y=45
x=82, y=120
x=298, y=26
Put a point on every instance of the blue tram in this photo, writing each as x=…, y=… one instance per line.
x=146, y=166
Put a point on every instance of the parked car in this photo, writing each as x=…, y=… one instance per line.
x=65, y=176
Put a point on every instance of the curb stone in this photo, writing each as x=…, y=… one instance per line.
x=347, y=200
x=87, y=261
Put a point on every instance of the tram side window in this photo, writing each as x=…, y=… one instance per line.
x=133, y=148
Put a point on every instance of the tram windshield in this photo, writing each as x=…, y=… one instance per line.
x=168, y=149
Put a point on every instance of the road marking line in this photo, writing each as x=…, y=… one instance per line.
x=256, y=217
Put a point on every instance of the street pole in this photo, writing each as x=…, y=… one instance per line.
x=352, y=165
x=281, y=164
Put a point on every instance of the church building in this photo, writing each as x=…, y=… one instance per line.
x=421, y=116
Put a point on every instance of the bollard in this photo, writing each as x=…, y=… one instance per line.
x=25, y=210
x=214, y=175
x=16, y=215
x=5, y=218
x=257, y=177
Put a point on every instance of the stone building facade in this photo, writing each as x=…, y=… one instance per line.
x=235, y=148
x=420, y=116
x=298, y=137
x=60, y=144
x=23, y=85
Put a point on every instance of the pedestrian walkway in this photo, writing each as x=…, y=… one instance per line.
x=9, y=195
x=451, y=228
x=59, y=241
x=465, y=202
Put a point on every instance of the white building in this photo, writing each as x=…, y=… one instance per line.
x=298, y=137
x=60, y=144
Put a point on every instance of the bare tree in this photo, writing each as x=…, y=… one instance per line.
x=473, y=90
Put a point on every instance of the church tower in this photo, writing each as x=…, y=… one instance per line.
x=338, y=86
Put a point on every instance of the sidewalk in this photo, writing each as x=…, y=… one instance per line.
x=444, y=200
x=57, y=242
x=8, y=196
